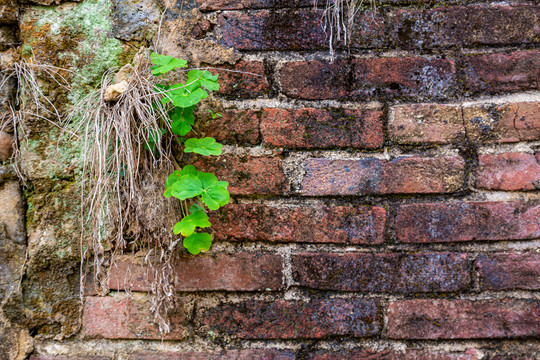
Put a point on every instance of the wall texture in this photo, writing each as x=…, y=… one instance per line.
x=386, y=204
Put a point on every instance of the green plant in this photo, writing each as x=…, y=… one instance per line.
x=196, y=190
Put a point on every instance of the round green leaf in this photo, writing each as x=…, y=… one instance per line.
x=205, y=146
x=188, y=224
x=216, y=196
x=198, y=242
x=187, y=186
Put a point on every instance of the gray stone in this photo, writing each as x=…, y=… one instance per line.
x=134, y=20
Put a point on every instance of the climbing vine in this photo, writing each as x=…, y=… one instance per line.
x=196, y=190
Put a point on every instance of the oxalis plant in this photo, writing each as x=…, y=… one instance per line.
x=196, y=190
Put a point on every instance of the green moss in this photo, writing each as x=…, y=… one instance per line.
x=89, y=23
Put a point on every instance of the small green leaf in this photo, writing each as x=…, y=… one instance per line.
x=187, y=186
x=188, y=224
x=197, y=242
x=205, y=146
x=214, y=115
x=216, y=196
x=187, y=99
x=205, y=78
x=164, y=64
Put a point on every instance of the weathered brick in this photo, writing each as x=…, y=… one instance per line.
x=425, y=123
x=508, y=171
x=405, y=175
x=315, y=80
x=402, y=273
x=248, y=175
x=493, y=73
x=246, y=354
x=466, y=26
x=270, y=30
x=282, y=319
x=303, y=224
x=125, y=317
x=235, y=127
x=322, y=128
x=238, y=272
x=509, y=271
x=511, y=122
x=407, y=77
x=68, y=357
x=251, y=4
x=468, y=221
x=463, y=319
x=409, y=354
x=246, y=79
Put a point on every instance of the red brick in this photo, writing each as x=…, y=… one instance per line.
x=406, y=77
x=509, y=271
x=251, y=4
x=322, y=128
x=68, y=357
x=466, y=26
x=270, y=30
x=511, y=122
x=405, y=175
x=508, y=171
x=238, y=272
x=402, y=273
x=245, y=80
x=248, y=175
x=124, y=317
x=246, y=354
x=463, y=319
x=282, y=319
x=409, y=354
x=418, y=124
x=235, y=127
x=303, y=224
x=492, y=73
x=315, y=80
x=468, y=221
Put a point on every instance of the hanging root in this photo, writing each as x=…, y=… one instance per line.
x=339, y=19
x=122, y=195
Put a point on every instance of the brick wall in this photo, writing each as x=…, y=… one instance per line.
x=385, y=204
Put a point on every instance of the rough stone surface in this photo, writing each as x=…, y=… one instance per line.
x=125, y=317
x=509, y=271
x=282, y=319
x=465, y=26
x=135, y=20
x=493, y=73
x=238, y=272
x=317, y=128
x=6, y=146
x=394, y=273
x=357, y=354
x=463, y=319
x=248, y=174
x=468, y=221
x=508, y=171
x=310, y=224
x=372, y=176
x=513, y=122
x=426, y=123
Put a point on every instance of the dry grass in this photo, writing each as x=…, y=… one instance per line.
x=123, y=182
